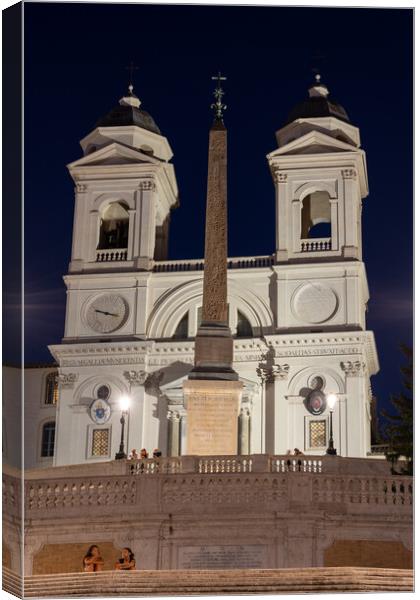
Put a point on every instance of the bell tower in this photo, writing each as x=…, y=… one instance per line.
x=319, y=173
x=320, y=178
x=125, y=189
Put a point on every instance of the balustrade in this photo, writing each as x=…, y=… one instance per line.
x=115, y=255
x=225, y=465
x=295, y=465
x=329, y=482
x=154, y=466
x=244, y=262
x=315, y=245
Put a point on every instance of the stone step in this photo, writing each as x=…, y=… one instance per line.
x=226, y=573
x=196, y=582
x=243, y=581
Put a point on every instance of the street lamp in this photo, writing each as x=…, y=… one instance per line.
x=124, y=404
x=331, y=400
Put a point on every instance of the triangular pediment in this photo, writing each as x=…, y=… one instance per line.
x=114, y=154
x=313, y=142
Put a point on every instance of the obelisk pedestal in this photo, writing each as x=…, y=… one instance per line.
x=212, y=393
x=212, y=408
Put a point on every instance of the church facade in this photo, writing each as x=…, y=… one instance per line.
x=297, y=316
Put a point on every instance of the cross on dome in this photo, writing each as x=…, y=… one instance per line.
x=131, y=68
x=131, y=99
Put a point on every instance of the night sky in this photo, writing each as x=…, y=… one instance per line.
x=75, y=58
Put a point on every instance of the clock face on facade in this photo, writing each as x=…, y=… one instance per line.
x=107, y=313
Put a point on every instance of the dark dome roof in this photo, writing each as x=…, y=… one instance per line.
x=318, y=105
x=129, y=115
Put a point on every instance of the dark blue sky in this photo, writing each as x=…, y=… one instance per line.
x=75, y=56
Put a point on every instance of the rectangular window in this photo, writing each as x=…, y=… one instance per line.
x=51, y=391
x=317, y=434
x=100, y=442
x=48, y=436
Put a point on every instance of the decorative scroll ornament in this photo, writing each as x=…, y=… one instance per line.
x=135, y=378
x=281, y=371
x=353, y=368
x=269, y=373
x=349, y=173
x=67, y=380
x=281, y=177
x=147, y=185
x=81, y=187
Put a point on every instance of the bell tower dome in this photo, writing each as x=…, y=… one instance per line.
x=319, y=172
x=125, y=190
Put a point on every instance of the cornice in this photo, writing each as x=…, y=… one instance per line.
x=153, y=353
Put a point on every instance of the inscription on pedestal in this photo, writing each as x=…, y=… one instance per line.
x=212, y=409
x=222, y=557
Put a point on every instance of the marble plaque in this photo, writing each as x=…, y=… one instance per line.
x=222, y=557
x=212, y=416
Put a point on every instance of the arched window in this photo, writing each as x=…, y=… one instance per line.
x=243, y=328
x=48, y=437
x=51, y=388
x=114, y=227
x=181, y=331
x=316, y=216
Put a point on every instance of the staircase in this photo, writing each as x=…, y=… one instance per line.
x=238, y=581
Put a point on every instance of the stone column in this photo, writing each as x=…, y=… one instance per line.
x=131, y=225
x=244, y=422
x=135, y=422
x=173, y=433
x=296, y=225
x=148, y=224
x=94, y=220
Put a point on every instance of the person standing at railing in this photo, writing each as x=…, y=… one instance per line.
x=93, y=561
x=144, y=453
x=127, y=561
x=133, y=455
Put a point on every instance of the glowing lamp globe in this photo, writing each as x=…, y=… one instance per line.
x=124, y=403
x=331, y=400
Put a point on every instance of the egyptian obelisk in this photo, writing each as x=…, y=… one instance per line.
x=212, y=392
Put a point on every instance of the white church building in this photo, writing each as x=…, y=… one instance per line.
x=297, y=316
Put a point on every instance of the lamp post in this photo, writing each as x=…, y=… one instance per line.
x=124, y=403
x=331, y=400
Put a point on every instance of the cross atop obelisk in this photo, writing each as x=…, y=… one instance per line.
x=212, y=392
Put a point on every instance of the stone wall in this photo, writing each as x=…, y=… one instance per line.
x=67, y=558
x=368, y=553
x=6, y=556
x=257, y=511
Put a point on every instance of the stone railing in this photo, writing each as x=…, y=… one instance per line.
x=79, y=493
x=220, y=464
x=260, y=463
x=240, y=262
x=295, y=465
x=315, y=245
x=378, y=449
x=85, y=489
x=154, y=466
x=363, y=490
x=111, y=255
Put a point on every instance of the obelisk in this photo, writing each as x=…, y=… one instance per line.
x=212, y=392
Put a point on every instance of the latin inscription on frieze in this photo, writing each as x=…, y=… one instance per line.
x=223, y=557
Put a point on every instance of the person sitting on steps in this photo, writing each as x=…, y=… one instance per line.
x=93, y=561
x=127, y=561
